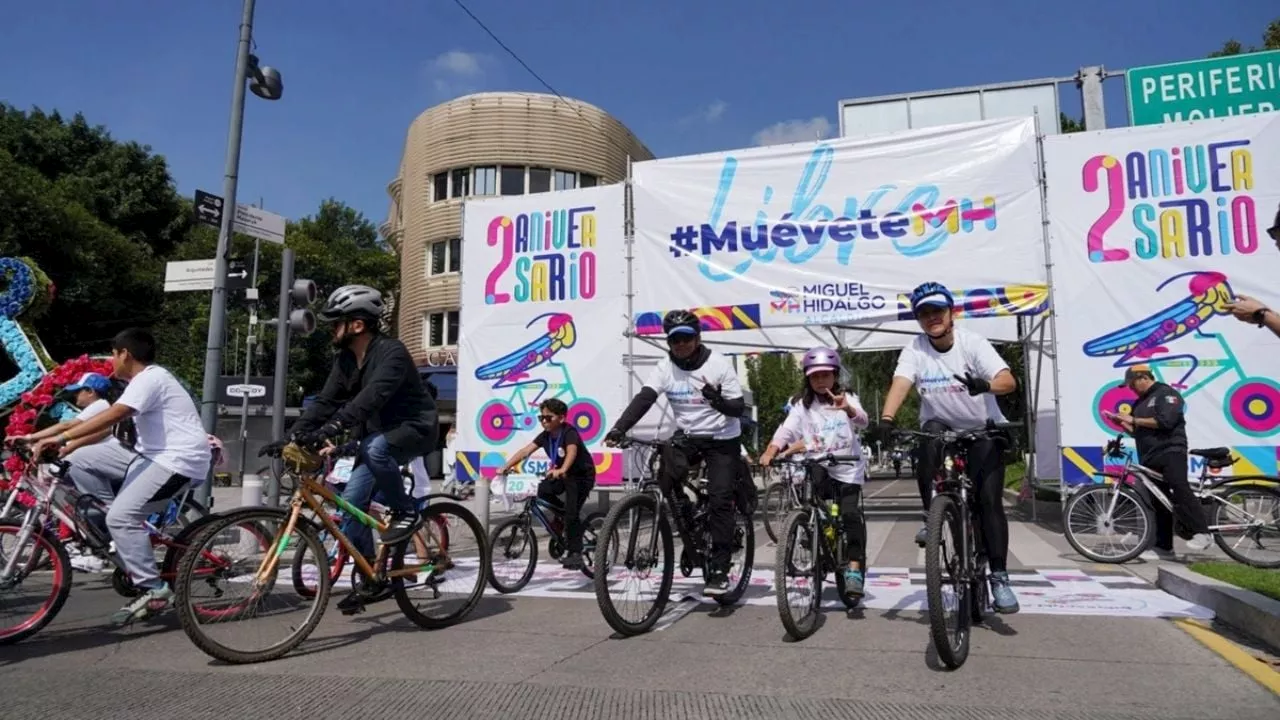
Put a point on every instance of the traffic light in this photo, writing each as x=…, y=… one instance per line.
x=302, y=294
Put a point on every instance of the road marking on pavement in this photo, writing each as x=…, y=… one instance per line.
x=1246, y=663
x=1030, y=549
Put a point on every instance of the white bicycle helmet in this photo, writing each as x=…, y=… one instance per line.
x=353, y=301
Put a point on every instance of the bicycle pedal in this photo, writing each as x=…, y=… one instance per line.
x=349, y=611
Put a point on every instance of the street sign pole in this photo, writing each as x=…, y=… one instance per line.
x=218, y=303
x=251, y=338
x=282, y=368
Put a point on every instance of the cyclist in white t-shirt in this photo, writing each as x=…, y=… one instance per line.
x=958, y=375
x=706, y=399
x=172, y=452
x=826, y=419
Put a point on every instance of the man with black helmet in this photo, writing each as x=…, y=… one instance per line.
x=375, y=393
x=706, y=398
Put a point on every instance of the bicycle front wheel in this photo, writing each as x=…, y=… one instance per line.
x=1108, y=523
x=634, y=546
x=224, y=587
x=447, y=584
x=38, y=588
x=946, y=568
x=796, y=583
x=515, y=555
x=776, y=508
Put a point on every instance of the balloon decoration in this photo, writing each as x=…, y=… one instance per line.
x=27, y=294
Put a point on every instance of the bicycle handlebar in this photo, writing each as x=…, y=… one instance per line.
x=991, y=428
x=49, y=456
x=827, y=459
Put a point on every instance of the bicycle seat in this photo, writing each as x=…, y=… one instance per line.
x=1217, y=458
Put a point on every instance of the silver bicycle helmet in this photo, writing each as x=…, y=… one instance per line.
x=353, y=301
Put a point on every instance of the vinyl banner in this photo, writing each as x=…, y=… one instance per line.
x=1154, y=230
x=840, y=230
x=543, y=316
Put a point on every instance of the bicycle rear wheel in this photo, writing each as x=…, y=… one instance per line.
x=450, y=581
x=223, y=562
x=947, y=567
x=794, y=569
x=742, y=561
x=1107, y=528
x=41, y=560
x=638, y=545
x=1257, y=508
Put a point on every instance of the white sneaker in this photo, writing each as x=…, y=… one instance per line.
x=88, y=563
x=1158, y=555
x=1200, y=542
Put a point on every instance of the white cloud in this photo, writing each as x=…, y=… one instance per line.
x=458, y=72
x=790, y=131
x=710, y=113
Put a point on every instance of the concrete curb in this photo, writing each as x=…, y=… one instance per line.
x=1253, y=614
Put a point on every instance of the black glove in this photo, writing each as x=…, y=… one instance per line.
x=884, y=430
x=976, y=385
x=316, y=438
x=273, y=448
x=712, y=394
x=614, y=436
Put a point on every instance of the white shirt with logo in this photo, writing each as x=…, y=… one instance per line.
x=827, y=431
x=170, y=433
x=944, y=398
x=684, y=394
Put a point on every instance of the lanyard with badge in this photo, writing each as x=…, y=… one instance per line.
x=554, y=443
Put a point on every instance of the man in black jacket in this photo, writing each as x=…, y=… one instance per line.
x=706, y=398
x=375, y=393
x=1159, y=430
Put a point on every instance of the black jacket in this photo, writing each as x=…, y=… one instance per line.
x=385, y=396
x=1165, y=405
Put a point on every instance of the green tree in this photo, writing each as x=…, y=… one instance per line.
x=1270, y=41
x=773, y=379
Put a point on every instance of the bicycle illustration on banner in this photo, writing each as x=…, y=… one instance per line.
x=1251, y=404
x=500, y=419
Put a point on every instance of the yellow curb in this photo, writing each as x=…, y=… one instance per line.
x=1246, y=663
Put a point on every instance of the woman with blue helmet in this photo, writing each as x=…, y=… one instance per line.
x=825, y=419
x=958, y=375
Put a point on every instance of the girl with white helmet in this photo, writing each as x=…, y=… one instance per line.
x=825, y=419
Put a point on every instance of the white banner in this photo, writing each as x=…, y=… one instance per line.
x=543, y=316
x=838, y=231
x=1154, y=229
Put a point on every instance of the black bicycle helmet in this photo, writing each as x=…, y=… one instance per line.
x=679, y=322
x=353, y=301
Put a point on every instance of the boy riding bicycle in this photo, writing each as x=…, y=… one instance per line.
x=572, y=472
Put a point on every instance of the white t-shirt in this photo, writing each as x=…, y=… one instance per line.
x=95, y=408
x=169, y=430
x=944, y=398
x=827, y=431
x=684, y=394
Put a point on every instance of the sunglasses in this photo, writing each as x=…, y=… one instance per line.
x=681, y=339
x=546, y=418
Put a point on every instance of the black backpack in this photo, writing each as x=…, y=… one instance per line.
x=124, y=431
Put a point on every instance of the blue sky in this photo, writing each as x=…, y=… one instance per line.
x=685, y=76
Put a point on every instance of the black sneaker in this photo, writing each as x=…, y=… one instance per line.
x=717, y=584
x=351, y=604
x=401, y=528
x=572, y=561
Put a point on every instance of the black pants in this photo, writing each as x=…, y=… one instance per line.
x=986, y=469
x=849, y=498
x=1172, y=466
x=575, y=491
x=724, y=465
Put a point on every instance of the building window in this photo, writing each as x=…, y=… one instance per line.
x=539, y=180
x=486, y=179
x=512, y=181
x=565, y=180
x=440, y=186
x=461, y=183
x=440, y=329
x=587, y=180
x=444, y=257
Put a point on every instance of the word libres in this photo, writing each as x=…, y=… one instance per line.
x=1181, y=201
x=546, y=257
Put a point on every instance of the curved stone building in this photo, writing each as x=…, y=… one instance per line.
x=502, y=143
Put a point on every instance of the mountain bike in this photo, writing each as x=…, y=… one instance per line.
x=954, y=553
x=31, y=554
x=815, y=530
x=1120, y=510
x=514, y=538
x=624, y=548
x=392, y=573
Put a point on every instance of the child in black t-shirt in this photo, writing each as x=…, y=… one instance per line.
x=572, y=472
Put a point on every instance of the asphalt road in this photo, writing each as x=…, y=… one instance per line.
x=554, y=657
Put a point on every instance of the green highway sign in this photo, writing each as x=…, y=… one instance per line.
x=1199, y=89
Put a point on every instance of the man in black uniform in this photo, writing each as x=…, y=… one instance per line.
x=1159, y=430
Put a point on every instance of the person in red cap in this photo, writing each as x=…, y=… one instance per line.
x=1159, y=428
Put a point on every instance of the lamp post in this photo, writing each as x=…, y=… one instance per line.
x=265, y=82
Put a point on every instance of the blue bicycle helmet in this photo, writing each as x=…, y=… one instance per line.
x=931, y=294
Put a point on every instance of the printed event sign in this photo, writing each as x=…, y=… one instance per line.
x=543, y=316
x=1154, y=230
x=838, y=231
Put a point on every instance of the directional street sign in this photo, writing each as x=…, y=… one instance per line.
x=197, y=275
x=249, y=220
x=1198, y=89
